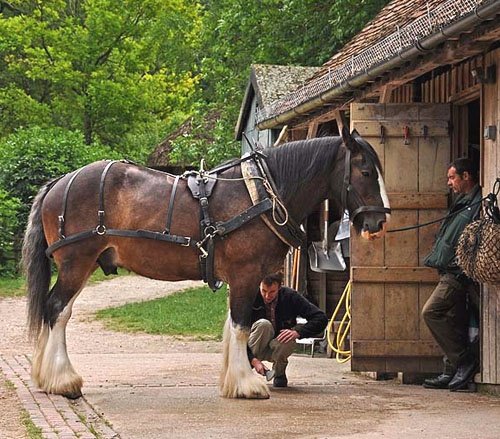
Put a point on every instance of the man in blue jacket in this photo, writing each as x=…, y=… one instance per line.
x=275, y=329
x=446, y=312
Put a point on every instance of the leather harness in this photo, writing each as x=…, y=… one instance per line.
x=201, y=184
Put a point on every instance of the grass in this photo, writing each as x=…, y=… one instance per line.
x=196, y=312
x=32, y=430
x=13, y=287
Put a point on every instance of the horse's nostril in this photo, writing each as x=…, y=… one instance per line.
x=380, y=224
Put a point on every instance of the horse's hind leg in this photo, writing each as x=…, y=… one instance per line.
x=52, y=370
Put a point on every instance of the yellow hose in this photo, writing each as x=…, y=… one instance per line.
x=345, y=325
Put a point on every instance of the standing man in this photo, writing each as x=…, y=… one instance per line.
x=274, y=326
x=447, y=310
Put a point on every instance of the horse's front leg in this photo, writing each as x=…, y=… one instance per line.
x=237, y=379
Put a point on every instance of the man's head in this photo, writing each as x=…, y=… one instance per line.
x=462, y=176
x=269, y=287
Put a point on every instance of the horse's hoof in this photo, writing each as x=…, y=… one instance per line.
x=260, y=396
x=72, y=395
x=255, y=396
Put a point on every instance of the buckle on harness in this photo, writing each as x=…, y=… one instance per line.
x=100, y=229
x=188, y=243
x=204, y=253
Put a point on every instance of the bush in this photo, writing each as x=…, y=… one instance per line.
x=9, y=208
x=31, y=157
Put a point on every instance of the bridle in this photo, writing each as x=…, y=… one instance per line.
x=349, y=189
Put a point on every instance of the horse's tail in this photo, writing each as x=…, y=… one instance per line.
x=36, y=264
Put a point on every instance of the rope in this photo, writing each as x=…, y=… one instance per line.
x=276, y=201
x=341, y=355
x=417, y=226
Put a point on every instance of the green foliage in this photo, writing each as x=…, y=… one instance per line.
x=9, y=208
x=196, y=312
x=207, y=139
x=106, y=68
x=32, y=430
x=30, y=157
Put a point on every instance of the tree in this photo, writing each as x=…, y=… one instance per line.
x=113, y=70
x=288, y=32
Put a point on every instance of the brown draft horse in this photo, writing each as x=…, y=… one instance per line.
x=305, y=173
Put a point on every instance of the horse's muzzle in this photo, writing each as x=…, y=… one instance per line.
x=372, y=236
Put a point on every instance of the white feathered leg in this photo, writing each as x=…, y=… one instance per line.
x=237, y=379
x=52, y=370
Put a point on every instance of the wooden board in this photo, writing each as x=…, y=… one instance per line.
x=390, y=283
x=490, y=170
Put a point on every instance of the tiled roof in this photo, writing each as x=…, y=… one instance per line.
x=397, y=13
x=271, y=82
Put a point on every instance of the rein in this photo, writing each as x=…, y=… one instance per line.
x=491, y=210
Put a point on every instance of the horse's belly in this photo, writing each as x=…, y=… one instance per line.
x=157, y=260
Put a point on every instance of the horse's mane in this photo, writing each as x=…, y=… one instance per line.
x=296, y=163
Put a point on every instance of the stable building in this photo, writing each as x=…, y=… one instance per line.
x=421, y=83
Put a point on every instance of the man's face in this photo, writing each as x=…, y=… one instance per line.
x=269, y=292
x=458, y=184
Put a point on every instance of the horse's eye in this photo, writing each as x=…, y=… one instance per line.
x=365, y=173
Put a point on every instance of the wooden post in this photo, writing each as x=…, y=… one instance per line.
x=385, y=94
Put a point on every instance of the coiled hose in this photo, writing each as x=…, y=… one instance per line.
x=341, y=355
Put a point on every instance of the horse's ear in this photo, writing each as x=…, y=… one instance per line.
x=349, y=140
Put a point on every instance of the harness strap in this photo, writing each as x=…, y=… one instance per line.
x=185, y=241
x=61, y=218
x=244, y=217
x=205, y=220
x=101, y=228
x=369, y=209
x=171, y=205
x=232, y=163
x=212, y=282
x=346, y=184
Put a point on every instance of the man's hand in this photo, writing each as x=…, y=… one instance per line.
x=258, y=366
x=287, y=335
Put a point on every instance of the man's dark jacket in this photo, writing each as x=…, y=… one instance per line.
x=442, y=255
x=291, y=305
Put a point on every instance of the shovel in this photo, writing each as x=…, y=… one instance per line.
x=323, y=257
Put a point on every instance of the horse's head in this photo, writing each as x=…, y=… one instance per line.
x=363, y=187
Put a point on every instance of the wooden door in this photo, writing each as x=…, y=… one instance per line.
x=390, y=283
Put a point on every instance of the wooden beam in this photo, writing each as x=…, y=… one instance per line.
x=324, y=114
x=312, y=129
x=386, y=94
x=341, y=120
x=394, y=274
x=395, y=348
x=418, y=200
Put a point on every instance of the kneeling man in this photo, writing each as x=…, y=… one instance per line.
x=275, y=329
